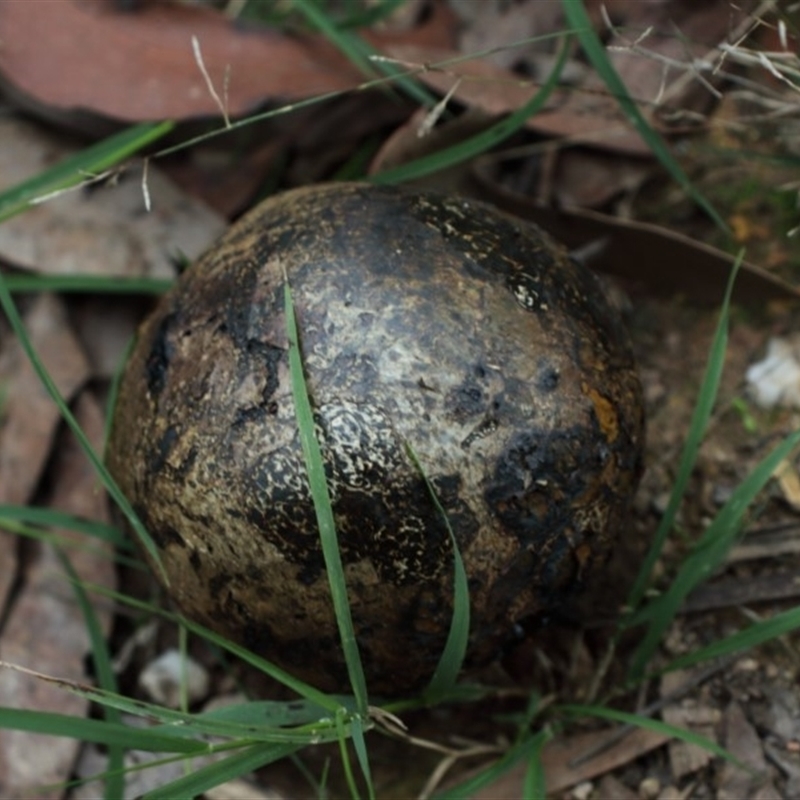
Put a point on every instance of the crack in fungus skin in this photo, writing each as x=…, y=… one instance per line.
x=424, y=320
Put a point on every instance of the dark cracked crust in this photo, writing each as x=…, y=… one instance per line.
x=426, y=320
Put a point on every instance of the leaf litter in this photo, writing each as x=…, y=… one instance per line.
x=601, y=179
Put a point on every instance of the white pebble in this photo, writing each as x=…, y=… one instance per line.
x=776, y=380
x=161, y=679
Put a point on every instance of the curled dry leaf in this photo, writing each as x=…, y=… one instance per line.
x=659, y=260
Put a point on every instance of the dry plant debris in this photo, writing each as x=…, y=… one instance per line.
x=717, y=78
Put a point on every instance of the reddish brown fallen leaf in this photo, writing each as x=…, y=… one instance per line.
x=102, y=231
x=45, y=629
x=140, y=66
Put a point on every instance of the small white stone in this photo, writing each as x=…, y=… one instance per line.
x=649, y=788
x=583, y=790
x=161, y=679
x=775, y=380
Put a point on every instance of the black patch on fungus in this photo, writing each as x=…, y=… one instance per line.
x=465, y=401
x=158, y=457
x=165, y=536
x=547, y=378
x=161, y=352
x=537, y=480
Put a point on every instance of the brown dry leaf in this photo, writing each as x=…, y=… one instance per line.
x=559, y=757
x=141, y=66
x=686, y=759
x=743, y=742
x=590, y=179
x=406, y=144
x=105, y=327
x=226, y=180
x=30, y=417
x=102, y=231
x=492, y=24
x=45, y=629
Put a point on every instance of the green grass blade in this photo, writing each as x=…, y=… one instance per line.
x=358, y=52
x=707, y=554
x=75, y=169
x=218, y=772
x=655, y=725
x=452, y=659
x=115, y=781
x=750, y=637
x=272, y=713
x=366, y=17
x=360, y=746
x=349, y=44
x=318, y=485
x=577, y=17
x=350, y=778
x=86, y=284
x=534, y=786
x=58, y=519
x=697, y=428
x=97, y=731
x=180, y=723
x=480, y=143
x=119, y=498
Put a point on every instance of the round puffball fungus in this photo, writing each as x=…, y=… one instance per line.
x=426, y=321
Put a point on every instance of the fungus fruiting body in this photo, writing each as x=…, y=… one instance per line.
x=425, y=320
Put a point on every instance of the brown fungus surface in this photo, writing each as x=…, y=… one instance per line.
x=427, y=320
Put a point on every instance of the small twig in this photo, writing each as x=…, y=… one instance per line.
x=198, y=57
x=90, y=181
